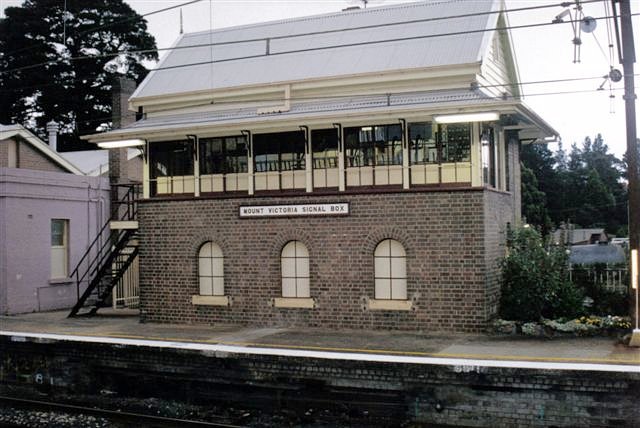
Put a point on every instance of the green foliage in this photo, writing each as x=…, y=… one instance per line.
x=535, y=282
x=605, y=301
x=583, y=187
x=57, y=65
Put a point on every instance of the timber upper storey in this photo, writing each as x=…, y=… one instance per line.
x=385, y=96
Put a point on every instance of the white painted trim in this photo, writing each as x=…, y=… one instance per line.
x=389, y=305
x=8, y=132
x=122, y=224
x=294, y=302
x=210, y=300
x=224, y=350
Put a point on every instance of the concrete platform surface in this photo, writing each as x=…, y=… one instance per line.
x=124, y=324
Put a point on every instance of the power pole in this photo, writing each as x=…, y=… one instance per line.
x=628, y=59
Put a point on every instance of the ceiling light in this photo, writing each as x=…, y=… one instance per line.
x=469, y=117
x=121, y=143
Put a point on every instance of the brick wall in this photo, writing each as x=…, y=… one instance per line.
x=28, y=158
x=451, y=251
x=4, y=153
x=109, y=376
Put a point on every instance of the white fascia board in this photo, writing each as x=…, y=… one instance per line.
x=490, y=33
x=185, y=98
x=537, y=120
x=377, y=115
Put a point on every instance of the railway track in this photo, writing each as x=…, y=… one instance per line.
x=124, y=419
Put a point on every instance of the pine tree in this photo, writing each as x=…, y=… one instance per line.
x=58, y=64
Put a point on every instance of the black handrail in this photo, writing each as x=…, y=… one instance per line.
x=102, y=244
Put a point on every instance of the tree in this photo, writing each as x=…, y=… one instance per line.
x=535, y=283
x=534, y=202
x=58, y=64
x=584, y=188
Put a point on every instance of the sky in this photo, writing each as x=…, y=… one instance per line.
x=542, y=53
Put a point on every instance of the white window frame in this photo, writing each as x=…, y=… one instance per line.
x=59, y=249
x=390, y=270
x=210, y=270
x=294, y=264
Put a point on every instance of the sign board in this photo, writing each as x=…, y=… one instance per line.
x=298, y=210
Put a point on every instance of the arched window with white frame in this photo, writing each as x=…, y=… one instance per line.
x=390, y=264
x=295, y=270
x=211, y=270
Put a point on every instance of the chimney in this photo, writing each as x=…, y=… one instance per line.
x=123, y=88
x=52, y=129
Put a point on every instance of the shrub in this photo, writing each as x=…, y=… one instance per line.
x=535, y=282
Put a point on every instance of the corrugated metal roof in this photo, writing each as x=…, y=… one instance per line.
x=336, y=51
x=311, y=109
x=596, y=253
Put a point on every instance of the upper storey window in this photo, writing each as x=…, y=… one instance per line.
x=325, y=148
x=224, y=155
x=444, y=143
x=282, y=151
x=171, y=158
x=373, y=145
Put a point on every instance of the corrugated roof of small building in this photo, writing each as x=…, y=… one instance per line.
x=596, y=253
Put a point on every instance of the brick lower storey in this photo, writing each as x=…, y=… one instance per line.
x=452, y=241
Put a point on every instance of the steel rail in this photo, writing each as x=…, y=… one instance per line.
x=113, y=414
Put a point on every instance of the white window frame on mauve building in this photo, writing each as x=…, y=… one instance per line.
x=59, y=248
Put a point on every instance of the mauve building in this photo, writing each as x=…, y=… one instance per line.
x=49, y=214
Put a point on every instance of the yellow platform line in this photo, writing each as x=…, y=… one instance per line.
x=634, y=361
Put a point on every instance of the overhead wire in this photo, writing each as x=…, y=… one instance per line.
x=323, y=32
x=99, y=27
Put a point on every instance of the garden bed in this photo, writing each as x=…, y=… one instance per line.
x=615, y=326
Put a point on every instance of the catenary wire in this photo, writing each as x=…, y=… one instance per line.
x=424, y=20
x=99, y=27
x=107, y=119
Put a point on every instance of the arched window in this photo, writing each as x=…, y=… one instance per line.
x=211, y=270
x=390, y=270
x=295, y=270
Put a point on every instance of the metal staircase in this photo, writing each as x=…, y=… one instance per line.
x=108, y=257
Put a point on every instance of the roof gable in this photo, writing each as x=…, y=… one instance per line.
x=387, y=39
x=12, y=131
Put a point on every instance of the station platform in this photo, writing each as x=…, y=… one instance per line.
x=123, y=327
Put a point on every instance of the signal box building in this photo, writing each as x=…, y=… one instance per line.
x=351, y=170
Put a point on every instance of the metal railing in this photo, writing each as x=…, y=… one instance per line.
x=96, y=261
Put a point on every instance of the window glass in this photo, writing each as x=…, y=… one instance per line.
x=422, y=143
x=211, y=270
x=325, y=148
x=171, y=158
x=282, y=151
x=223, y=155
x=455, y=139
x=59, y=248
x=373, y=145
x=295, y=270
x=488, y=156
x=390, y=268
